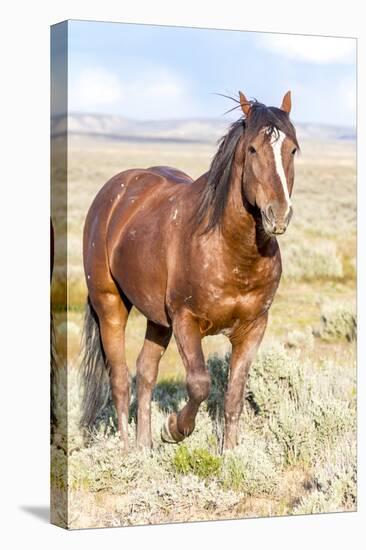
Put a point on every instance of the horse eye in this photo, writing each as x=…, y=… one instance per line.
x=293, y=151
x=252, y=149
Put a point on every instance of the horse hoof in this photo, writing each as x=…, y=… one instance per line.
x=169, y=431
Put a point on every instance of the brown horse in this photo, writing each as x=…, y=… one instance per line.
x=197, y=258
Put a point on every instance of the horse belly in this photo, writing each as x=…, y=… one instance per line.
x=138, y=265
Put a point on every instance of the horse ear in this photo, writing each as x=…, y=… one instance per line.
x=244, y=103
x=286, y=102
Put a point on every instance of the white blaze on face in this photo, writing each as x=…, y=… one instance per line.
x=277, y=147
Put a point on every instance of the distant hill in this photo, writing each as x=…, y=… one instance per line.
x=188, y=130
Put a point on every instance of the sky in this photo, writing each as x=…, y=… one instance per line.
x=154, y=72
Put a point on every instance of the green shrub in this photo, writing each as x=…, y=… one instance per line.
x=307, y=262
x=300, y=339
x=199, y=462
x=250, y=468
x=335, y=479
x=274, y=377
x=332, y=419
x=302, y=410
x=337, y=322
x=295, y=432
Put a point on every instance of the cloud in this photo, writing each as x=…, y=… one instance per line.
x=150, y=93
x=160, y=84
x=94, y=88
x=314, y=49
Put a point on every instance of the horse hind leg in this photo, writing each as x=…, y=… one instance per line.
x=156, y=341
x=112, y=314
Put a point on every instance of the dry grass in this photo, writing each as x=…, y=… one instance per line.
x=296, y=451
x=297, y=447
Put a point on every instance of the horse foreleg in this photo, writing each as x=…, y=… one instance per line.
x=188, y=338
x=245, y=345
x=156, y=341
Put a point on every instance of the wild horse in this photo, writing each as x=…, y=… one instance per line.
x=197, y=258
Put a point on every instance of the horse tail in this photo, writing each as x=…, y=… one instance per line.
x=94, y=370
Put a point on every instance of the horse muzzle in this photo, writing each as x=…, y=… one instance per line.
x=274, y=224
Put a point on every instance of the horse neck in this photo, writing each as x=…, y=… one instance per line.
x=241, y=226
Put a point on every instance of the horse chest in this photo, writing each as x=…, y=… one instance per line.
x=239, y=297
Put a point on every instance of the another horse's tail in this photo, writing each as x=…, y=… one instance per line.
x=94, y=370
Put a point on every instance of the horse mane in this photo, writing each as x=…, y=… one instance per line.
x=213, y=197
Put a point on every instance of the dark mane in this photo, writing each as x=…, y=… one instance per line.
x=213, y=198
x=272, y=118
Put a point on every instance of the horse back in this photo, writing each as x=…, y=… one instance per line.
x=172, y=174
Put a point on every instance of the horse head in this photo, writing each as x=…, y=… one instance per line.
x=269, y=146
